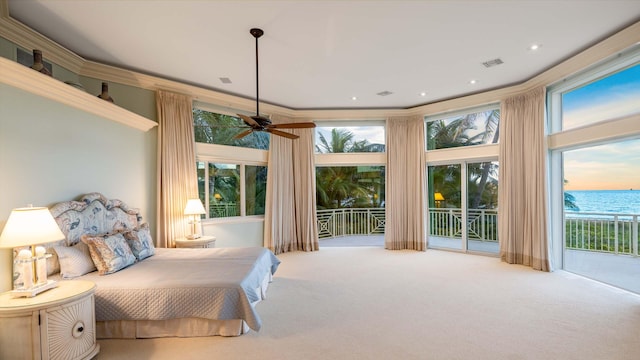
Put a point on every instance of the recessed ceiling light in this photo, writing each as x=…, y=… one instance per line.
x=423, y=94
x=472, y=82
x=534, y=47
x=354, y=98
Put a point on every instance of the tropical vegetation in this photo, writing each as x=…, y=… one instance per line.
x=348, y=186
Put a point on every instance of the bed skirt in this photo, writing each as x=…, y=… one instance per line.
x=186, y=327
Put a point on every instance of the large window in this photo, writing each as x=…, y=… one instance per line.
x=232, y=173
x=613, y=96
x=350, y=200
x=341, y=137
x=470, y=127
x=463, y=184
x=595, y=117
x=230, y=190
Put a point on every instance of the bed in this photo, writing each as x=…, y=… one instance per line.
x=161, y=292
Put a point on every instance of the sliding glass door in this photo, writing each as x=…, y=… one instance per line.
x=463, y=202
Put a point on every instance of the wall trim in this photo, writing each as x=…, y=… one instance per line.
x=27, y=79
x=23, y=36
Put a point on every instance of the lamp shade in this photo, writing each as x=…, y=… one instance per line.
x=30, y=226
x=438, y=197
x=194, y=207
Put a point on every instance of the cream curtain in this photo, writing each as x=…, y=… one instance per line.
x=522, y=207
x=290, y=209
x=177, y=180
x=405, y=187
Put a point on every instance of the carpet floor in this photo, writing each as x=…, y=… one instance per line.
x=371, y=303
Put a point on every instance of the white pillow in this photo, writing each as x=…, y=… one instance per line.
x=74, y=260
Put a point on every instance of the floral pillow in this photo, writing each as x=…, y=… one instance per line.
x=140, y=242
x=109, y=252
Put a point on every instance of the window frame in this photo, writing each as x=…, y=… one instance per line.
x=226, y=154
x=593, y=134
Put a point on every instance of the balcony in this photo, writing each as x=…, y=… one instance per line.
x=600, y=246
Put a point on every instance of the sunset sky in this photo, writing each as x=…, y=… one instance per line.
x=613, y=166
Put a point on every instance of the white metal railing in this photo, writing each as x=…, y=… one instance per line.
x=602, y=232
x=482, y=224
x=350, y=221
x=223, y=210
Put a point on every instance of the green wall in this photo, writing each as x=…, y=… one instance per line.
x=50, y=152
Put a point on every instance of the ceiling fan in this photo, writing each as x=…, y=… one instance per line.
x=261, y=123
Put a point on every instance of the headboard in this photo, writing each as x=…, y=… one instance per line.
x=94, y=214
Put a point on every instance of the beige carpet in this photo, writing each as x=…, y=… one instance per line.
x=371, y=303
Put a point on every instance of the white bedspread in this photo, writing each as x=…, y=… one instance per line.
x=217, y=284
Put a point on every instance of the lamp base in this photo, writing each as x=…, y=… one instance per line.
x=193, y=236
x=35, y=290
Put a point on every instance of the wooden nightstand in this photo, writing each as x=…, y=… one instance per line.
x=201, y=242
x=56, y=324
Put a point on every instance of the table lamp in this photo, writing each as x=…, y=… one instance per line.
x=194, y=208
x=30, y=226
x=438, y=198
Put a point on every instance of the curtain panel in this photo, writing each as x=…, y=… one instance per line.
x=406, y=184
x=290, y=209
x=177, y=178
x=522, y=204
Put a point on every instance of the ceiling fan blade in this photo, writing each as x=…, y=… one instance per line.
x=248, y=120
x=243, y=134
x=293, y=126
x=282, y=133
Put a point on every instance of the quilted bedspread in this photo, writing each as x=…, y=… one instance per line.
x=217, y=284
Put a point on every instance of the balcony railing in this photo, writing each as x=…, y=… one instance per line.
x=602, y=232
x=482, y=224
x=223, y=210
x=350, y=221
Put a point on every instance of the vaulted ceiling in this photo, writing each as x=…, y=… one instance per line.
x=331, y=54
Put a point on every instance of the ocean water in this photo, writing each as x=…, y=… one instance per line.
x=607, y=201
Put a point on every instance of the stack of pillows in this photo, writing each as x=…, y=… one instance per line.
x=107, y=253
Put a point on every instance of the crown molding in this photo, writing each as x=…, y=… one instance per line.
x=28, y=38
x=24, y=78
x=23, y=36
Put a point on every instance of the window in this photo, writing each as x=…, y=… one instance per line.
x=463, y=184
x=350, y=187
x=232, y=174
x=470, y=127
x=350, y=137
x=594, y=118
x=215, y=128
x=611, y=97
x=230, y=190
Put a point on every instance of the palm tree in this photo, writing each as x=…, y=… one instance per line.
x=569, y=200
x=212, y=128
x=345, y=186
x=457, y=132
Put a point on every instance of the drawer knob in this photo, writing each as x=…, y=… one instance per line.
x=78, y=328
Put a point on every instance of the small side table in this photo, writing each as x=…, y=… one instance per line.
x=201, y=242
x=55, y=324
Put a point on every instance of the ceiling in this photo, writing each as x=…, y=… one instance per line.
x=321, y=54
